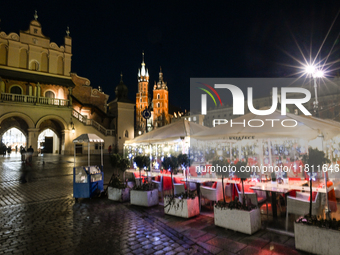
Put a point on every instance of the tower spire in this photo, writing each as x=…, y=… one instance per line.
x=121, y=77
x=35, y=15
x=68, y=31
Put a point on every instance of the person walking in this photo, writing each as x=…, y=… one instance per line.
x=110, y=149
x=30, y=152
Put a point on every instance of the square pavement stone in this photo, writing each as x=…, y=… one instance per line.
x=274, y=237
x=193, y=233
x=280, y=249
x=254, y=241
x=210, y=248
x=218, y=231
x=254, y=251
x=226, y=244
x=205, y=237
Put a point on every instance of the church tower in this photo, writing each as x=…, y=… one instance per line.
x=160, y=102
x=142, y=100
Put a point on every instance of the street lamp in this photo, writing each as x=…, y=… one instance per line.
x=315, y=73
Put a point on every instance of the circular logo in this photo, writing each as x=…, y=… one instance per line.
x=146, y=114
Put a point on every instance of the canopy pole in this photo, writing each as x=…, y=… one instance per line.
x=74, y=161
x=261, y=154
x=270, y=152
x=231, y=152
x=150, y=156
x=88, y=154
x=239, y=151
x=101, y=154
x=328, y=212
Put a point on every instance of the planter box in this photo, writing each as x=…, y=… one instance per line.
x=121, y=195
x=185, y=208
x=238, y=220
x=144, y=198
x=316, y=240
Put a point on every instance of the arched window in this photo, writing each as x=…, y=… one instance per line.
x=158, y=104
x=140, y=100
x=158, y=96
x=34, y=65
x=49, y=94
x=3, y=54
x=126, y=134
x=16, y=90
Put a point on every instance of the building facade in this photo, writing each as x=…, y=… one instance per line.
x=44, y=101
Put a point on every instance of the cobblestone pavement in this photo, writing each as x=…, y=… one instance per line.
x=41, y=217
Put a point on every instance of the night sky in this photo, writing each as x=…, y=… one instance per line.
x=187, y=38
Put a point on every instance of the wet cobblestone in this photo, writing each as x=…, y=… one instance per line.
x=41, y=217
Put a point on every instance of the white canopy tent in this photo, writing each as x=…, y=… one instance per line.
x=169, y=133
x=307, y=128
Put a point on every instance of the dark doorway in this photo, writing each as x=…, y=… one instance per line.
x=48, y=146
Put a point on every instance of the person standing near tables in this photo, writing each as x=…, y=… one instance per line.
x=109, y=149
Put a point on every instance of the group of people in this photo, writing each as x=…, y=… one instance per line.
x=26, y=156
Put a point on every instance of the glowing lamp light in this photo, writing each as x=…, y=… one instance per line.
x=319, y=74
x=309, y=69
x=134, y=165
x=166, y=149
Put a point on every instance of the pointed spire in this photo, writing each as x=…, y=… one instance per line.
x=121, y=77
x=143, y=56
x=68, y=31
x=160, y=74
x=35, y=15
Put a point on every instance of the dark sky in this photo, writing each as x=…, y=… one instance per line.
x=187, y=38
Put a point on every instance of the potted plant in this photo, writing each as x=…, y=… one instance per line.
x=117, y=189
x=143, y=194
x=186, y=204
x=239, y=216
x=312, y=234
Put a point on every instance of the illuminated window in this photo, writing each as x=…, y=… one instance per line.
x=194, y=118
x=126, y=134
x=158, y=96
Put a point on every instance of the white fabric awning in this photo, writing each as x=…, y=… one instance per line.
x=307, y=128
x=88, y=138
x=169, y=133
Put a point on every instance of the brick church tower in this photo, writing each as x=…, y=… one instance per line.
x=160, y=102
x=142, y=100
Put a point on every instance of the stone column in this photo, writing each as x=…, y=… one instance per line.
x=33, y=134
x=67, y=146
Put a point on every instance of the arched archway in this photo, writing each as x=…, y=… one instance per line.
x=13, y=139
x=53, y=138
x=48, y=141
x=29, y=122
